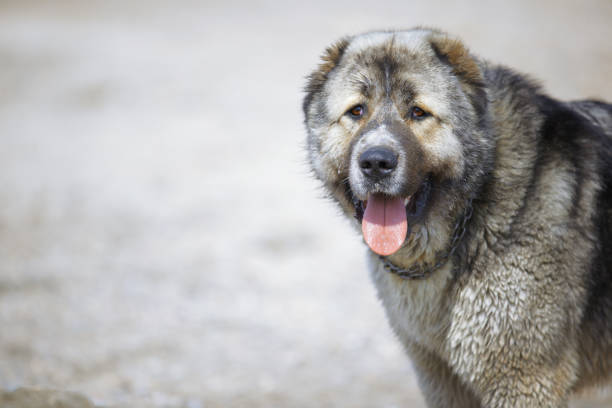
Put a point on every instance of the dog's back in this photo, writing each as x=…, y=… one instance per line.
x=596, y=344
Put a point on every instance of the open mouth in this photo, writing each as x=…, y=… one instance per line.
x=385, y=220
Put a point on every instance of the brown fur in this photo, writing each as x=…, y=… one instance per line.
x=463, y=64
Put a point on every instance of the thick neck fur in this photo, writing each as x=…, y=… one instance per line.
x=507, y=187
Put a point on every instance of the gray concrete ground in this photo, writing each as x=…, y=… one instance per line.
x=161, y=241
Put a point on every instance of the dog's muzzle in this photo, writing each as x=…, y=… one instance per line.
x=386, y=183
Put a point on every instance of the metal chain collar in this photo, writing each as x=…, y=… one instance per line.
x=420, y=271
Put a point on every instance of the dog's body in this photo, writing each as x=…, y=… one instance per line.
x=507, y=196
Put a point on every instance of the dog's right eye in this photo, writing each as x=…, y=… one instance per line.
x=356, y=112
x=418, y=113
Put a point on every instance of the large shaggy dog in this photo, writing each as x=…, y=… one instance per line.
x=487, y=209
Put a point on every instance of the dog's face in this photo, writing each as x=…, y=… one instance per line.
x=394, y=121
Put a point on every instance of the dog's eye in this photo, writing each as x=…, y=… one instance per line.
x=418, y=113
x=356, y=111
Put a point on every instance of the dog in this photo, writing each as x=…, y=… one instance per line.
x=486, y=206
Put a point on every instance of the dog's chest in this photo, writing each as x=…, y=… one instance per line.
x=418, y=310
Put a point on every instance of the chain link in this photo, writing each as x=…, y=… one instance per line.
x=420, y=271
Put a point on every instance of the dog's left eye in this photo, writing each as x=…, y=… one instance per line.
x=356, y=111
x=418, y=113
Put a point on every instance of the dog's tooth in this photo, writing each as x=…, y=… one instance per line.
x=405, y=201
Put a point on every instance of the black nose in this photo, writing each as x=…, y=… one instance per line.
x=378, y=162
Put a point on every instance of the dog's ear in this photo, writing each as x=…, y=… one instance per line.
x=330, y=58
x=451, y=51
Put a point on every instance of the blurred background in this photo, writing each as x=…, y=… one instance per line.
x=162, y=243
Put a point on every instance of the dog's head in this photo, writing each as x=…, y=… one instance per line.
x=397, y=125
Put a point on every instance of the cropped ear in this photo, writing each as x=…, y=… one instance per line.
x=330, y=59
x=331, y=56
x=451, y=51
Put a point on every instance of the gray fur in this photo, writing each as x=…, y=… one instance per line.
x=521, y=316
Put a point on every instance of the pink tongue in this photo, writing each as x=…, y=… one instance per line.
x=384, y=224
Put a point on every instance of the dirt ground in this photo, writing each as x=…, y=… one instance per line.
x=161, y=241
